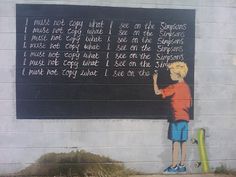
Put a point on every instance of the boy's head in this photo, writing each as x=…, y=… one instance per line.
x=178, y=70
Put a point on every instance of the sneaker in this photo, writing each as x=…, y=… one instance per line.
x=182, y=169
x=171, y=170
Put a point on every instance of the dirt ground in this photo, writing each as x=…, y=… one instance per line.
x=161, y=175
x=186, y=175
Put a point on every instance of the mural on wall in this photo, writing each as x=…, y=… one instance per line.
x=74, y=62
x=181, y=101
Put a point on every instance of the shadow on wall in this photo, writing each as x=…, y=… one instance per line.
x=76, y=163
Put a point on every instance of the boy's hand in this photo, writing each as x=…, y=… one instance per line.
x=155, y=76
x=155, y=85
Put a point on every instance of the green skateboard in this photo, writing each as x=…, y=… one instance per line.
x=200, y=141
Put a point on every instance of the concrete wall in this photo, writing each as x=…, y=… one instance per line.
x=141, y=144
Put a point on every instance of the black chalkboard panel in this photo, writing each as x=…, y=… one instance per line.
x=76, y=62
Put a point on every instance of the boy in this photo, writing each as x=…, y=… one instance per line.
x=180, y=104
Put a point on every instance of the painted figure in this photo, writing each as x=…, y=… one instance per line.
x=181, y=99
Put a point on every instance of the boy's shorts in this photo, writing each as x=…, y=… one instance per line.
x=178, y=131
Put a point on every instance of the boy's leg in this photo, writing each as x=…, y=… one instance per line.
x=175, y=153
x=183, y=152
x=183, y=144
x=173, y=169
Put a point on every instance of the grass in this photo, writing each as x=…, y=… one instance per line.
x=76, y=164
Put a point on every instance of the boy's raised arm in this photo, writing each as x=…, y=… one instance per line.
x=155, y=86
